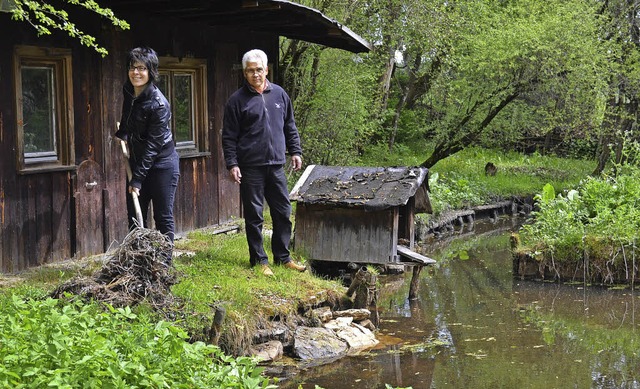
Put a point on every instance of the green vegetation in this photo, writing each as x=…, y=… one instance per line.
x=594, y=226
x=44, y=17
x=218, y=275
x=138, y=346
x=557, y=76
x=50, y=343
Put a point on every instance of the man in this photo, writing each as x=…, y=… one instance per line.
x=258, y=129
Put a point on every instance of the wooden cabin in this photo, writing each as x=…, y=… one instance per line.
x=360, y=214
x=62, y=177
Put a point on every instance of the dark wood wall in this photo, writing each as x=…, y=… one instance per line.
x=338, y=234
x=51, y=216
x=35, y=209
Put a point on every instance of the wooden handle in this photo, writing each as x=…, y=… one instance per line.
x=134, y=195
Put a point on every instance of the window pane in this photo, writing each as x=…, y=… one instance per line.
x=38, y=111
x=183, y=107
x=161, y=83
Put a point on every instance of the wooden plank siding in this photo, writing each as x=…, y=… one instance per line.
x=346, y=234
x=36, y=209
x=226, y=56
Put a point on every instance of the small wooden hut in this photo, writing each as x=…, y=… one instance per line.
x=360, y=214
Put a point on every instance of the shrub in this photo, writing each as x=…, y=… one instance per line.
x=599, y=220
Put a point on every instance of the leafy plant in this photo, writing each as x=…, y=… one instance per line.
x=46, y=343
x=598, y=220
x=44, y=17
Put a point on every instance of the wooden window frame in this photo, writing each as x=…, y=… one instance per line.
x=60, y=61
x=198, y=68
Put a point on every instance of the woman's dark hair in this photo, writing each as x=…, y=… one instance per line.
x=148, y=57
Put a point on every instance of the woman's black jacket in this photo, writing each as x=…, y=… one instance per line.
x=145, y=125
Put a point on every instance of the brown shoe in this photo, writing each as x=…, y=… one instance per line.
x=294, y=266
x=266, y=271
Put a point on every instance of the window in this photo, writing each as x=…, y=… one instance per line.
x=44, y=108
x=183, y=82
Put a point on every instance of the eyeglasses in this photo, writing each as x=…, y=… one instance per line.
x=254, y=71
x=140, y=69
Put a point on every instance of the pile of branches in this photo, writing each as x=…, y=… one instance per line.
x=140, y=269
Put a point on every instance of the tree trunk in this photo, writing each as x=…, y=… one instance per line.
x=410, y=87
x=385, y=80
x=451, y=146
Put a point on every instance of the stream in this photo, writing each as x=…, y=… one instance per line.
x=474, y=325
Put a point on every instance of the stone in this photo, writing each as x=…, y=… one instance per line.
x=268, y=351
x=318, y=343
x=356, y=314
x=368, y=325
x=357, y=337
x=339, y=322
x=275, y=331
x=324, y=314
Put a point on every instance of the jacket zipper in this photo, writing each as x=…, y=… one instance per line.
x=270, y=149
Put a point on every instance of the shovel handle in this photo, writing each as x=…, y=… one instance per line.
x=134, y=195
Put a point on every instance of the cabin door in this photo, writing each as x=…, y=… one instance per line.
x=89, y=209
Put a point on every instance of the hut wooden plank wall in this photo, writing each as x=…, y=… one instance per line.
x=73, y=204
x=358, y=214
x=340, y=234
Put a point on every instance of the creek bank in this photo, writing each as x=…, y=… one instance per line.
x=611, y=265
x=324, y=331
x=328, y=336
x=600, y=263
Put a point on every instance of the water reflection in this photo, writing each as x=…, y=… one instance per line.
x=475, y=326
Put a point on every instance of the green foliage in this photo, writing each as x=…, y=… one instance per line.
x=47, y=343
x=455, y=192
x=334, y=124
x=492, y=73
x=601, y=212
x=44, y=17
x=513, y=53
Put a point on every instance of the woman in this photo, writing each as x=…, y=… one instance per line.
x=145, y=125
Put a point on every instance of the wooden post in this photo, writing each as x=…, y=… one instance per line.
x=216, y=326
x=415, y=278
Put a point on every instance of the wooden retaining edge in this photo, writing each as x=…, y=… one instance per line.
x=458, y=217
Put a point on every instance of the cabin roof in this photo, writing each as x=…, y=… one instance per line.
x=278, y=17
x=372, y=188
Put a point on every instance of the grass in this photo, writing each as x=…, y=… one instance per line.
x=517, y=174
x=220, y=275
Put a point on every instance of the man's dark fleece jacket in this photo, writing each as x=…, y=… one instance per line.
x=259, y=128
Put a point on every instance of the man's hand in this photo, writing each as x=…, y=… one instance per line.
x=296, y=162
x=235, y=174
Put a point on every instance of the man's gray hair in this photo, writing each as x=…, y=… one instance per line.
x=255, y=55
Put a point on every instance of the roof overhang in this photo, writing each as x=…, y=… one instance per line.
x=370, y=188
x=277, y=17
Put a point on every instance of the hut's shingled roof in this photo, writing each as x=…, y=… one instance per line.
x=373, y=188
